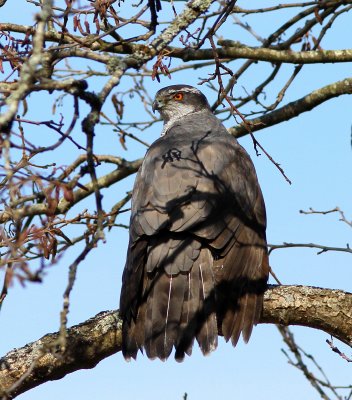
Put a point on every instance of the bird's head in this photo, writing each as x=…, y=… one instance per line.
x=176, y=101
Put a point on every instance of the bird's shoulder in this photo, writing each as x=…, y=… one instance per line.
x=195, y=154
x=193, y=134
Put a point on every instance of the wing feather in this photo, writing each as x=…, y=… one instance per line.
x=207, y=337
x=197, y=261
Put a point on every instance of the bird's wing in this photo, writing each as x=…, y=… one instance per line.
x=198, y=221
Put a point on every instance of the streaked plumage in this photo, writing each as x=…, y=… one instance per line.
x=197, y=260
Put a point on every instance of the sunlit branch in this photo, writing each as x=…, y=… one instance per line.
x=321, y=248
x=296, y=108
x=100, y=337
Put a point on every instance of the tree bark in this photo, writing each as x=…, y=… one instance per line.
x=295, y=108
x=328, y=310
x=99, y=337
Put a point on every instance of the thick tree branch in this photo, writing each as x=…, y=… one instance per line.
x=87, y=344
x=235, y=50
x=328, y=310
x=228, y=48
x=99, y=337
x=296, y=107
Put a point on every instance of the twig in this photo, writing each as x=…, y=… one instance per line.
x=290, y=342
x=336, y=209
x=224, y=95
x=336, y=350
x=71, y=280
x=322, y=248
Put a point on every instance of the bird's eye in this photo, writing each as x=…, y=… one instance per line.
x=178, y=96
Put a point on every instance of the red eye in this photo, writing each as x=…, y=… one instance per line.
x=178, y=96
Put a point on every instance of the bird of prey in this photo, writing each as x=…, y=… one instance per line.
x=197, y=262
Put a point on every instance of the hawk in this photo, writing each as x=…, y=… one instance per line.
x=197, y=262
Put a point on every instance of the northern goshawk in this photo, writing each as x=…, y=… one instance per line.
x=197, y=262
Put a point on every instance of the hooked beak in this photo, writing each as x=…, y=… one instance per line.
x=156, y=105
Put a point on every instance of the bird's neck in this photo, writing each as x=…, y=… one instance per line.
x=170, y=121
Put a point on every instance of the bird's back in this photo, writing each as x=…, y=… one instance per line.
x=197, y=260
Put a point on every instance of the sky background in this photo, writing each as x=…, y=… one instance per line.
x=315, y=152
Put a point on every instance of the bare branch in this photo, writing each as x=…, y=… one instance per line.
x=296, y=108
x=100, y=337
x=28, y=70
x=78, y=195
x=336, y=350
x=236, y=50
x=323, y=249
x=87, y=344
x=336, y=209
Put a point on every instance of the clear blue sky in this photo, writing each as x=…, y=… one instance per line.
x=315, y=152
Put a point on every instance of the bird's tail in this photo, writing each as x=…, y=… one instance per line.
x=176, y=309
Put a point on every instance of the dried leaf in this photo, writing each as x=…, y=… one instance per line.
x=317, y=15
x=44, y=246
x=316, y=44
x=114, y=15
x=57, y=192
x=26, y=38
x=165, y=71
x=123, y=142
x=53, y=249
x=118, y=105
x=59, y=232
x=81, y=31
x=86, y=24
x=75, y=23
x=68, y=193
x=52, y=204
x=97, y=26
x=25, y=107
